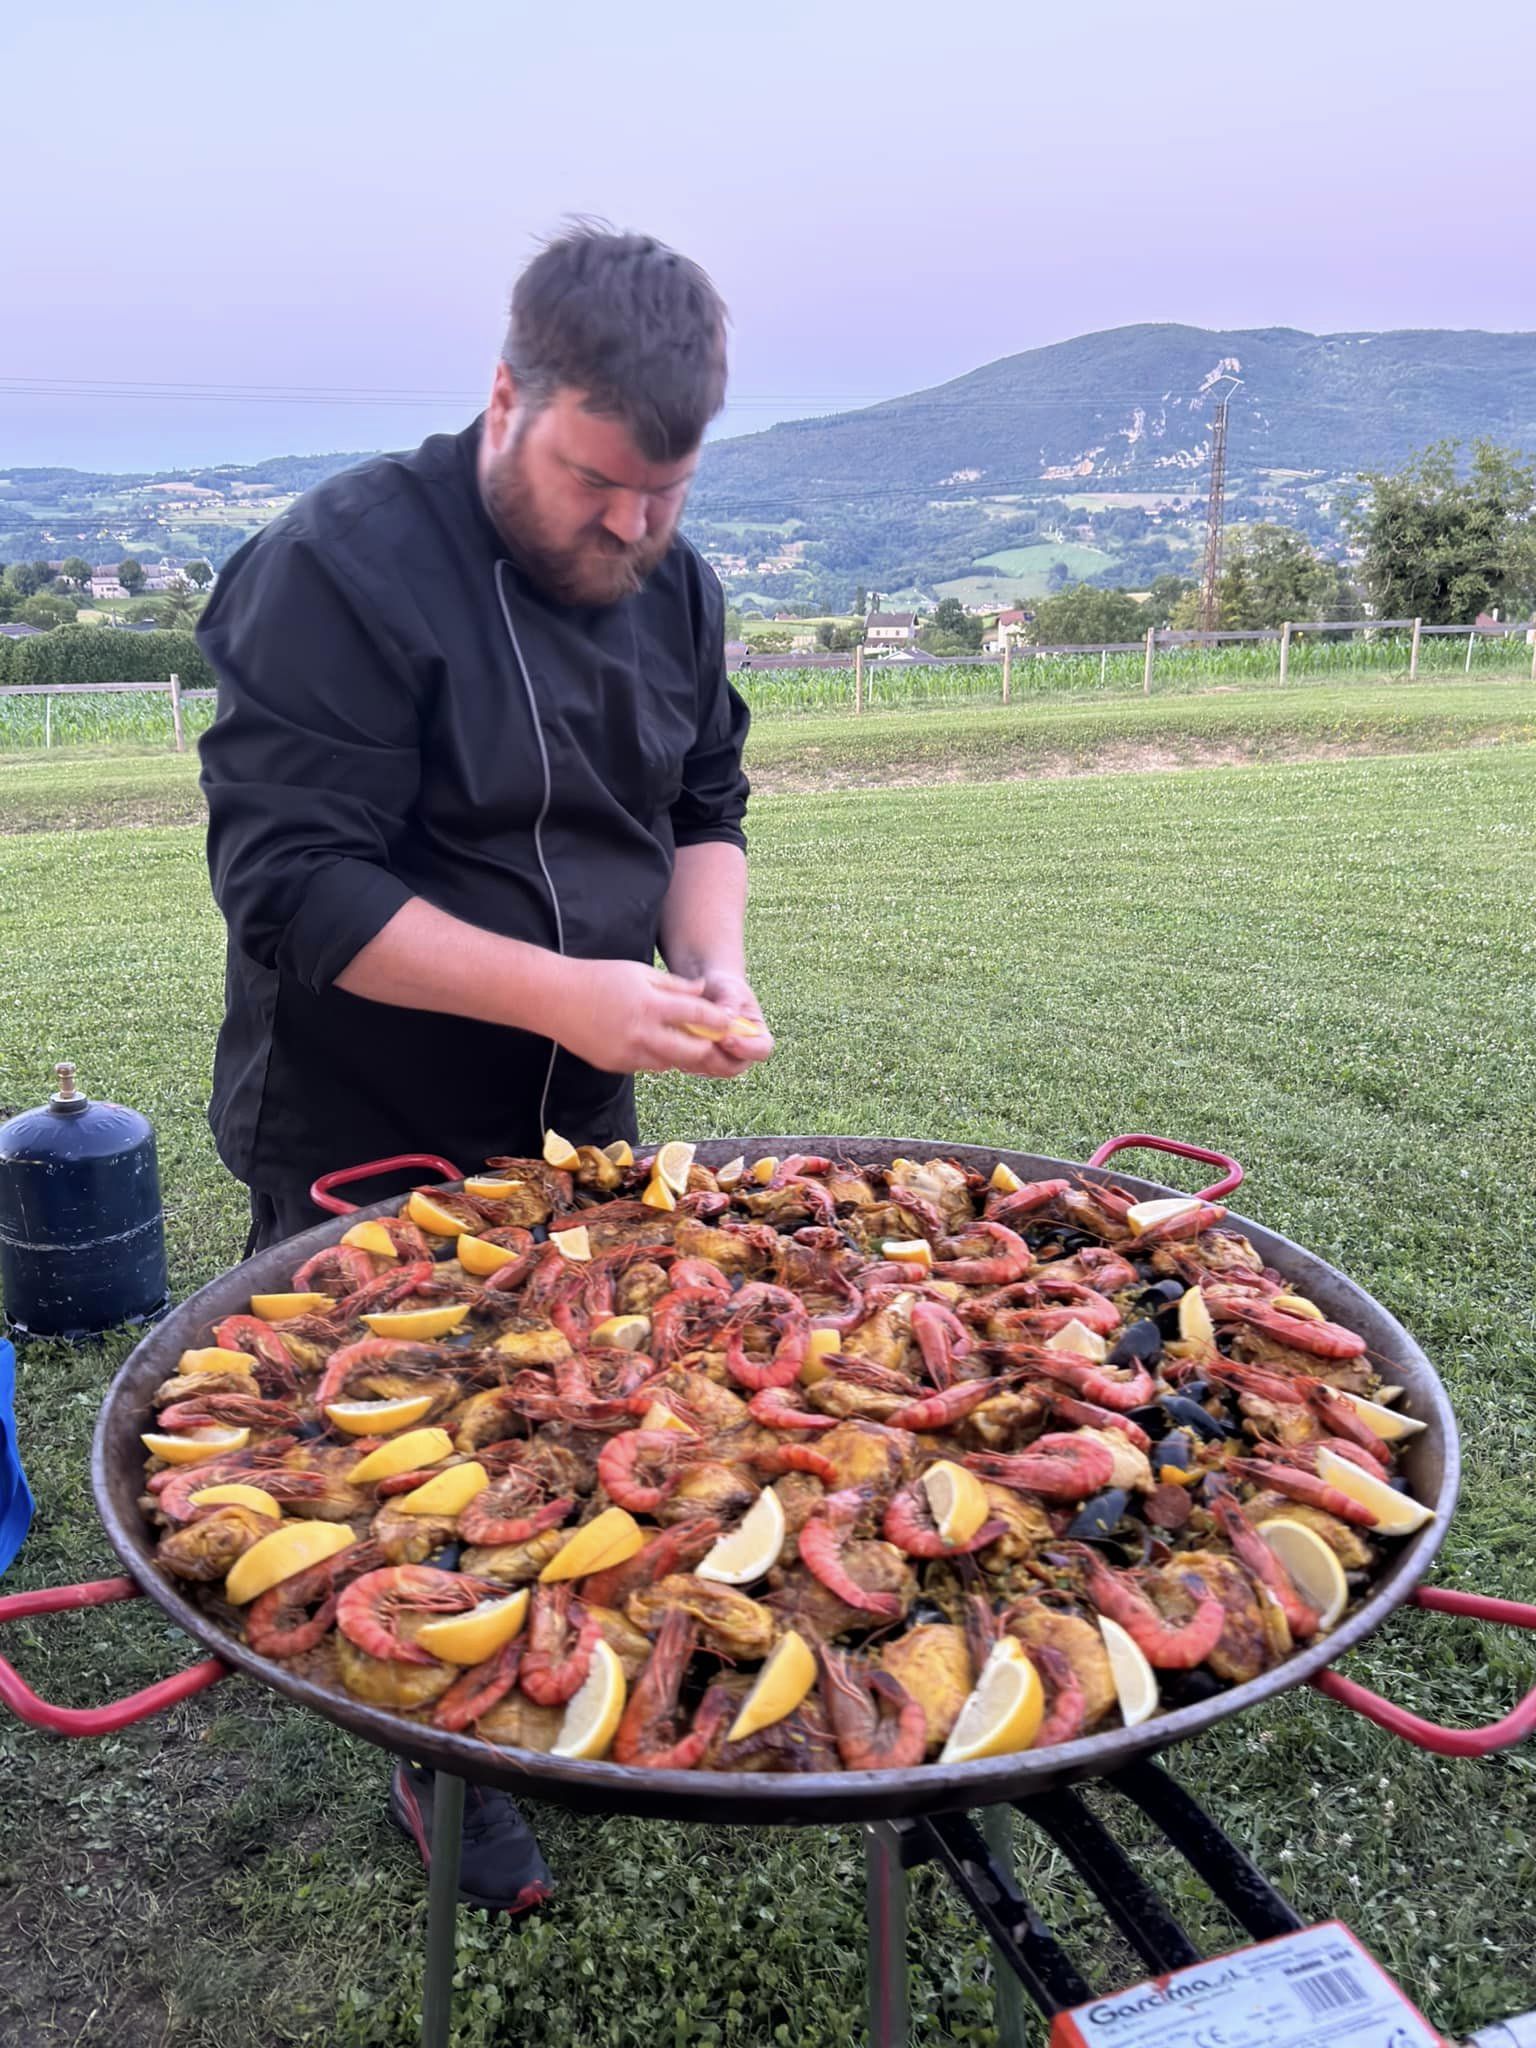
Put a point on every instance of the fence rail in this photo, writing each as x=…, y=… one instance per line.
x=786, y=683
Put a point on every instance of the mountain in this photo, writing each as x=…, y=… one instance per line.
x=1130, y=409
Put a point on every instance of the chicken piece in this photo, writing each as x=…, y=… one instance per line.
x=787, y=1208
x=711, y=1488
x=800, y=1495
x=521, y=1723
x=1028, y=1526
x=386, y=1682
x=615, y=1225
x=204, y=1550
x=885, y=1338
x=731, y=1624
x=1133, y=1468
x=513, y=1564
x=411, y=1539
x=733, y=1251
x=541, y=1190
x=1278, y=1422
x=196, y=1386
x=1005, y=1423
x=629, y=1644
x=864, y=1454
x=639, y=1287
x=530, y=1340
x=1078, y=1640
x=934, y=1664
x=717, y=1408
x=938, y=1181
x=1250, y=1640
x=1352, y=1375
x=1347, y=1544
x=848, y=1187
x=802, y=1741
x=842, y=1398
x=797, y=1600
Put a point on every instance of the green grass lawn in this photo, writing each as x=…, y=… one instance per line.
x=1326, y=968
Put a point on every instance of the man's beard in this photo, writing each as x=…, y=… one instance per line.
x=598, y=570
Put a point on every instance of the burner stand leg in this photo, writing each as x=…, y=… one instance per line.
x=442, y=1910
x=1007, y=1992
x=885, y=1895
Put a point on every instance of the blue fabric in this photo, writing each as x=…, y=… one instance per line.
x=15, y=1494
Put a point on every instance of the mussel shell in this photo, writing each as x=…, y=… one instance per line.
x=447, y=1559
x=1139, y=1343
x=1097, y=1518
x=1190, y=1415
x=1188, y=1688
x=1160, y=1295
x=1154, y=1419
x=1176, y=1449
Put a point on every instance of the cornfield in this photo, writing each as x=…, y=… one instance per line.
x=117, y=719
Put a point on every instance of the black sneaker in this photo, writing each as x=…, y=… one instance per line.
x=500, y=1868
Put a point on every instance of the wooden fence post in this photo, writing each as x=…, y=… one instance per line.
x=1007, y=667
x=176, y=725
x=858, y=680
x=1285, y=651
x=1103, y=666
x=47, y=721
x=1471, y=643
x=1413, y=659
x=1146, y=673
x=1533, y=653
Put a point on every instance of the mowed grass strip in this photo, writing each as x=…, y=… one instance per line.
x=1328, y=970
x=84, y=790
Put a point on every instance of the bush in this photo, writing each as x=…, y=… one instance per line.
x=104, y=654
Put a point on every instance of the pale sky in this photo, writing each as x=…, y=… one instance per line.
x=234, y=232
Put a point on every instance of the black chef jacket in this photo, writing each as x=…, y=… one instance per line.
x=402, y=714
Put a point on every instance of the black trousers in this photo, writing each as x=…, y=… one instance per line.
x=279, y=1214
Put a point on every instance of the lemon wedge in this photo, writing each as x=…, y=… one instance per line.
x=781, y=1685
x=379, y=1418
x=1297, y=1305
x=1195, y=1325
x=596, y=1708
x=277, y=1308
x=731, y=1174
x=573, y=1243
x=409, y=1452
x=1078, y=1341
x=762, y=1170
x=610, y=1538
x=659, y=1416
x=420, y=1325
x=1004, y=1180
x=234, y=1495
x=671, y=1165
x=915, y=1251
x=751, y=1549
x=658, y=1195
x=479, y=1258
x=1386, y=1422
x=628, y=1333
x=817, y=1346
x=619, y=1152
x=1397, y=1514
x=1145, y=1215
x=490, y=1189
x=371, y=1236
x=446, y=1493
x=1315, y=1572
x=1135, y=1680
x=1004, y=1712
x=431, y=1217
x=292, y=1548
x=559, y=1151
x=471, y=1638
x=214, y=1358
x=957, y=1498
x=195, y=1446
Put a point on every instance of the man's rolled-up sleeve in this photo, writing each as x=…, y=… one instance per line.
x=310, y=768
x=713, y=799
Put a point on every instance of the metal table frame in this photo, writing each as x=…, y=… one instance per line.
x=978, y=1861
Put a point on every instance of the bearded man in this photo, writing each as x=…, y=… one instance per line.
x=476, y=762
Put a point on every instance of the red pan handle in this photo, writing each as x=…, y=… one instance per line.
x=320, y=1194
x=1232, y=1174
x=138, y=1706
x=1515, y=1726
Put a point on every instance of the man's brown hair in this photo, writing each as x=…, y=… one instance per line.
x=628, y=321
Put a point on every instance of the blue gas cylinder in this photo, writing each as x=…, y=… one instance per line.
x=82, y=1238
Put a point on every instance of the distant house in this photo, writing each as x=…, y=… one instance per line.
x=1009, y=631
x=890, y=632
x=105, y=583
x=19, y=632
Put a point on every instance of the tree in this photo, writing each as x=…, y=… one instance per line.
x=839, y=639
x=131, y=575
x=78, y=571
x=178, y=610
x=861, y=601
x=1057, y=576
x=951, y=630
x=200, y=574
x=1165, y=592
x=1086, y=616
x=47, y=609
x=1443, y=546
x=1270, y=574
x=23, y=579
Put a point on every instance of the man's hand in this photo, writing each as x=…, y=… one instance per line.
x=625, y=1019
